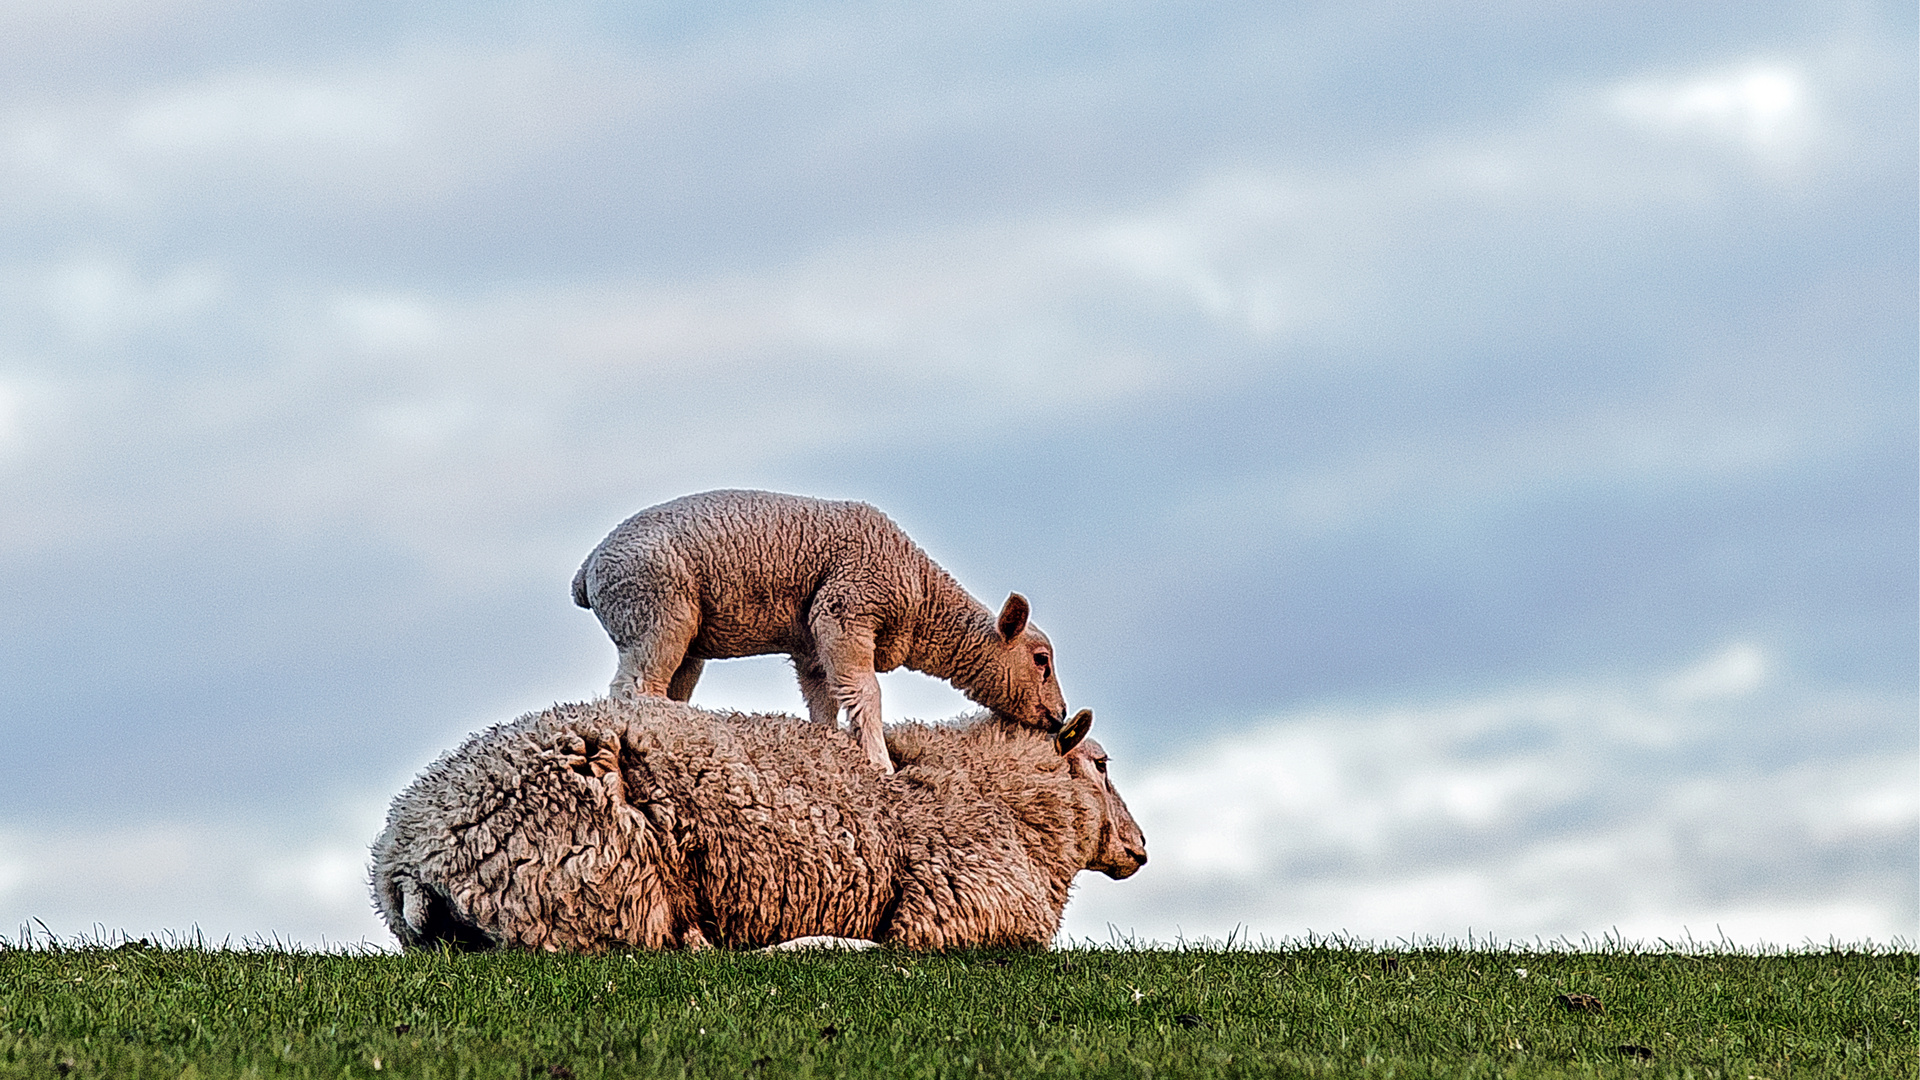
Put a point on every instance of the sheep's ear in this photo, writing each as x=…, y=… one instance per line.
x=1013, y=617
x=1075, y=731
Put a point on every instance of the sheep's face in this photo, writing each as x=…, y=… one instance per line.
x=1121, y=847
x=1032, y=688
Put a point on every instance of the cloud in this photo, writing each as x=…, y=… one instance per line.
x=1733, y=673
x=400, y=132
x=303, y=883
x=380, y=325
x=1765, y=106
x=1554, y=812
x=35, y=411
x=1378, y=359
x=238, y=117
x=1572, y=811
x=95, y=299
x=41, y=36
x=486, y=428
x=12, y=406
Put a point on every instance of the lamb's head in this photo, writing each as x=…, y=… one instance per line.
x=1120, y=848
x=1022, y=683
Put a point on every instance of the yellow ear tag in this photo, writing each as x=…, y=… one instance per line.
x=1075, y=731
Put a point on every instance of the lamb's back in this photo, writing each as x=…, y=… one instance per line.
x=753, y=561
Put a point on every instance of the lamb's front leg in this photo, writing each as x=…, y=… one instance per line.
x=859, y=694
x=846, y=660
x=822, y=706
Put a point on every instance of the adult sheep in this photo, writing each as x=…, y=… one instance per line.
x=654, y=824
x=835, y=585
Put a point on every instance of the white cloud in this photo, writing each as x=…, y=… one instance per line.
x=12, y=421
x=1738, y=670
x=13, y=872
x=418, y=412
x=35, y=411
x=260, y=115
x=1545, y=813
x=409, y=129
x=389, y=324
x=1560, y=812
x=98, y=298
x=45, y=24
x=328, y=876
x=306, y=883
x=424, y=424
x=473, y=405
x=1785, y=924
x=1766, y=106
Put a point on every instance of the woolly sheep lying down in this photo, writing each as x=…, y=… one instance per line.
x=654, y=824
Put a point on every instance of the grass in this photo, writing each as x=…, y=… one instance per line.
x=1317, y=1010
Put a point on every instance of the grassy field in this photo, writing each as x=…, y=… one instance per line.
x=1320, y=1011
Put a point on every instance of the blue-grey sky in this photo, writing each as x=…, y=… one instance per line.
x=1464, y=453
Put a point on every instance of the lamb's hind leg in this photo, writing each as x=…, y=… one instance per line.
x=652, y=662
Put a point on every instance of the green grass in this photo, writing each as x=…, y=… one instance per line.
x=1329, y=1010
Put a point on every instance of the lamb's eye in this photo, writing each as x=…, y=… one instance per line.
x=1101, y=764
x=1043, y=662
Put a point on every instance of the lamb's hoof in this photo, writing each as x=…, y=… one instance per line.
x=822, y=942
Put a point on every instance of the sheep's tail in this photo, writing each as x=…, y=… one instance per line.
x=580, y=588
x=431, y=919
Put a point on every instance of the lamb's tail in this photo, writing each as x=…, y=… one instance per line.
x=580, y=588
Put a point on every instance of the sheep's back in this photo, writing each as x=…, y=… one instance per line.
x=781, y=825
x=968, y=873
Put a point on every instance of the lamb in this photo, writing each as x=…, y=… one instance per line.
x=837, y=586
x=653, y=824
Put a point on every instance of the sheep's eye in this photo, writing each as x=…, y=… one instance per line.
x=1101, y=764
x=1043, y=661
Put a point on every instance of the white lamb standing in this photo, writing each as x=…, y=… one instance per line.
x=837, y=586
x=657, y=825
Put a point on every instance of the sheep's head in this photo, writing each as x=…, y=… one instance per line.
x=1121, y=848
x=1025, y=659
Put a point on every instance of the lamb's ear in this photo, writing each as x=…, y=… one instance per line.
x=1075, y=730
x=1013, y=617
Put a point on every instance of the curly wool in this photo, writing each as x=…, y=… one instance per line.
x=654, y=824
x=835, y=585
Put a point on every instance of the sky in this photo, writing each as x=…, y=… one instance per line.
x=1465, y=453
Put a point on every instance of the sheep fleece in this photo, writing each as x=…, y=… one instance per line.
x=655, y=824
